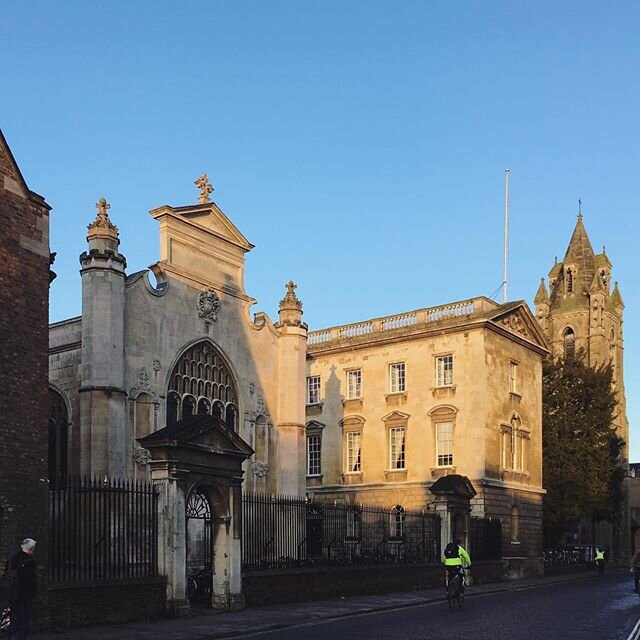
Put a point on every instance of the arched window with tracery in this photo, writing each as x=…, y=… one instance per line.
x=58, y=438
x=202, y=384
x=569, y=342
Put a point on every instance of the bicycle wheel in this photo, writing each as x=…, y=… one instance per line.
x=451, y=593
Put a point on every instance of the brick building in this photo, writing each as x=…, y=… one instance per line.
x=24, y=305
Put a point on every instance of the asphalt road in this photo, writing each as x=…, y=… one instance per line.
x=604, y=608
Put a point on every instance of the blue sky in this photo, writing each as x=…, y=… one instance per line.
x=359, y=145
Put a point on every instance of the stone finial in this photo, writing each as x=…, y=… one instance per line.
x=290, y=306
x=102, y=219
x=291, y=299
x=206, y=188
x=102, y=231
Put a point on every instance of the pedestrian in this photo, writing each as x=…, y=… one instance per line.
x=25, y=589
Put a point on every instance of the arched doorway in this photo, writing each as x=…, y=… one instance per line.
x=199, y=548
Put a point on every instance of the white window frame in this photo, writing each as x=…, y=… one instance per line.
x=444, y=370
x=444, y=446
x=314, y=454
x=514, y=387
x=397, y=516
x=397, y=448
x=354, y=384
x=354, y=452
x=514, y=447
x=397, y=377
x=313, y=389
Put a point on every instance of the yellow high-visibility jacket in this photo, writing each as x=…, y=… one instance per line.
x=599, y=555
x=462, y=556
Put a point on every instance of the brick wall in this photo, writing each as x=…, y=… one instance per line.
x=24, y=307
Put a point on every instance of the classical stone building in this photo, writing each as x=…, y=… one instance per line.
x=581, y=310
x=24, y=304
x=150, y=353
x=396, y=403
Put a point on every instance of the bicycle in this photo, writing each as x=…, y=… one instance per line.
x=455, y=593
x=199, y=585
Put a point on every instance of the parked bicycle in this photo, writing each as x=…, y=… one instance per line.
x=199, y=585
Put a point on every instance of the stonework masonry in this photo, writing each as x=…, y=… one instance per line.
x=24, y=305
x=405, y=400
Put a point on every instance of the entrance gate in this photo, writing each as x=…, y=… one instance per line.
x=199, y=548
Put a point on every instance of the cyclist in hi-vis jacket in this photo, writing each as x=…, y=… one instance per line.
x=455, y=559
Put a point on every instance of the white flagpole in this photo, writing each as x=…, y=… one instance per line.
x=506, y=233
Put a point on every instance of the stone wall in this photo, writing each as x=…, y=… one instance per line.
x=24, y=301
x=262, y=588
x=85, y=604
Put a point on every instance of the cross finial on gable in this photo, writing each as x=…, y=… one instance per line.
x=205, y=188
x=291, y=287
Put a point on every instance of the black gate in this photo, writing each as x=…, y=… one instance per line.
x=314, y=530
x=199, y=548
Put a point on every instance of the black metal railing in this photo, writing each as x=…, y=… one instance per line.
x=102, y=529
x=286, y=532
x=486, y=539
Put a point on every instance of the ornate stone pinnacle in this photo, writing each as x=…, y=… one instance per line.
x=102, y=219
x=205, y=188
x=291, y=300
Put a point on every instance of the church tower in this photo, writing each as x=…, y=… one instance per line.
x=581, y=311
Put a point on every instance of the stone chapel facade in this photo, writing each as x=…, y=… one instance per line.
x=172, y=381
x=144, y=355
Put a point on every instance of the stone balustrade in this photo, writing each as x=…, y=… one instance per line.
x=412, y=319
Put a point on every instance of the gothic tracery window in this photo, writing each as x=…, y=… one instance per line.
x=201, y=384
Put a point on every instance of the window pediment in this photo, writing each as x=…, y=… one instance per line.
x=352, y=421
x=396, y=416
x=442, y=410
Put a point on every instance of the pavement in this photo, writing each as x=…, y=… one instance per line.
x=206, y=624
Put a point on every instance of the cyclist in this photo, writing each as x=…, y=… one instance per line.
x=455, y=559
x=599, y=559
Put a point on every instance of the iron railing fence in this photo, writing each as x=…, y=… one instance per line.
x=286, y=532
x=568, y=555
x=102, y=530
x=485, y=539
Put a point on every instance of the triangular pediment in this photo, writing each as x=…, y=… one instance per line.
x=208, y=217
x=517, y=319
x=205, y=431
x=396, y=415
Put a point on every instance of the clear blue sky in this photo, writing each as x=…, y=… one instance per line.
x=359, y=145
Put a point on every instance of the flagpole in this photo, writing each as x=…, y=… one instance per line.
x=506, y=233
